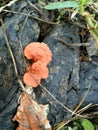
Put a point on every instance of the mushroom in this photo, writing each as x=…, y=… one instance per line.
x=38, y=51
x=35, y=73
x=41, y=55
x=31, y=79
x=40, y=69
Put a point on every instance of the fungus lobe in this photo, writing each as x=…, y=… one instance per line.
x=40, y=55
x=38, y=51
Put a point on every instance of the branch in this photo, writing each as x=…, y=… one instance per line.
x=11, y=54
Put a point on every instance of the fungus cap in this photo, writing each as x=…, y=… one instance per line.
x=35, y=73
x=31, y=79
x=38, y=51
x=39, y=68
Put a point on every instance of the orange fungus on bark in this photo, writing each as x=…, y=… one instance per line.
x=40, y=55
x=38, y=51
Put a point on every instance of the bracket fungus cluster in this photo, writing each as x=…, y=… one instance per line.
x=40, y=55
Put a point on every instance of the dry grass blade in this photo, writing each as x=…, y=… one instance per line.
x=81, y=102
x=94, y=63
x=7, y=5
x=84, y=108
x=63, y=123
x=34, y=6
x=8, y=46
x=11, y=54
x=66, y=108
x=90, y=115
x=72, y=44
x=20, y=13
x=93, y=8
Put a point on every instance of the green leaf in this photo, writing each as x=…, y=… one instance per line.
x=60, y=5
x=69, y=128
x=75, y=128
x=84, y=2
x=87, y=125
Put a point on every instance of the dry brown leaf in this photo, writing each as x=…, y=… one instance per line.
x=31, y=115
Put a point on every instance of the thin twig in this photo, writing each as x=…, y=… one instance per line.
x=94, y=62
x=23, y=57
x=92, y=114
x=7, y=5
x=11, y=54
x=84, y=108
x=73, y=113
x=81, y=102
x=20, y=13
x=8, y=46
x=72, y=44
x=25, y=21
x=93, y=8
x=63, y=123
x=21, y=84
x=33, y=6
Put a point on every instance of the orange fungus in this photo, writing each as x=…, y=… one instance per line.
x=40, y=55
x=31, y=79
x=38, y=51
x=40, y=69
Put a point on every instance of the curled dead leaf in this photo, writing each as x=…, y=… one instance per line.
x=31, y=115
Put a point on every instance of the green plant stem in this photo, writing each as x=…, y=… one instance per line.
x=91, y=25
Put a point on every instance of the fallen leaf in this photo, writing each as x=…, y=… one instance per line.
x=31, y=115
